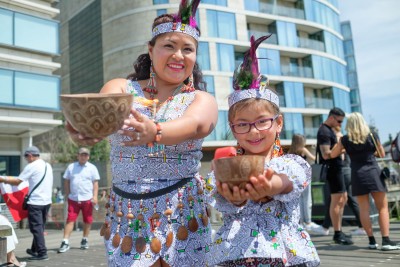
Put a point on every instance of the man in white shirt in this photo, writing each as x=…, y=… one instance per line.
x=81, y=187
x=39, y=175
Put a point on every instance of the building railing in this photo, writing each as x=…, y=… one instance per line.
x=273, y=39
x=317, y=102
x=311, y=44
x=305, y=72
x=281, y=10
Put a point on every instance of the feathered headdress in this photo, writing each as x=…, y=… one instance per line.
x=184, y=21
x=247, y=81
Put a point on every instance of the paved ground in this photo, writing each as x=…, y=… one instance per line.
x=331, y=255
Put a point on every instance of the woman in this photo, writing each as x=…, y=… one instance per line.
x=156, y=213
x=298, y=147
x=12, y=241
x=365, y=180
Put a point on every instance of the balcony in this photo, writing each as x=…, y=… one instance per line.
x=311, y=44
x=311, y=132
x=273, y=39
x=304, y=72
x=317, y=102
x=281, y=11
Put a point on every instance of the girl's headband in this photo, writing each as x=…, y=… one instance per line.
x=247, y=81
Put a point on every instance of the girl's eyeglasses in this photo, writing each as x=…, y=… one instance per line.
x=261, y=125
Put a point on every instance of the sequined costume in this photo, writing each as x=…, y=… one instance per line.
x=265, y=230
x=134, y=171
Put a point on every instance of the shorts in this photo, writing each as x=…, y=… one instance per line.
x=335, y=179
x=75, y=206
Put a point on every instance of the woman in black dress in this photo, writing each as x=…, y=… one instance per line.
x=365, y=176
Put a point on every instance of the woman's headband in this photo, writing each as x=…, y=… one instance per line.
x=184, y=21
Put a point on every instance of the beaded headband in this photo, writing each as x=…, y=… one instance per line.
x=184, y=21
x=247, y=81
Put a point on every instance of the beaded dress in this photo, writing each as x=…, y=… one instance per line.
x=262, y=231
x=134, y=171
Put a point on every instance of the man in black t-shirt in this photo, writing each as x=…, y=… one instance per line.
x=326, y=140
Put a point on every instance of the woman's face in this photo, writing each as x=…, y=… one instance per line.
x=173, y=56
x=257, y=142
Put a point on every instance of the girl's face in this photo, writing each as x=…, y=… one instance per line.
x=173, y=56
x=257, y=142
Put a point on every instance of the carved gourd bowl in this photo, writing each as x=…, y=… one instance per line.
x=96, y=115
x=237, y=170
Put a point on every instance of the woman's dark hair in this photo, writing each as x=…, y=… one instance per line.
x=143, y=62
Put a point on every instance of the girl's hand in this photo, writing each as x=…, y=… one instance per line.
x=260, y=188
x=236, y=196
x=139, y=128
x=80, y=138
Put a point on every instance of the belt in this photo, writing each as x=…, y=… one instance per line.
x=152, y=194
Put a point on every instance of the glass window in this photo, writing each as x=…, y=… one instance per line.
x=293, y=124
x=226, y=59
x=251, y=5
x=328, y=69
x=210, y=84
x=28, y=29
x=221, y=24
x=6, y=81
x=348, y=47
x=352, y=79
x=203, y=56
x=351, y=63
x=269, y=61
x=341, y=99
x=346, y=30
x=287, y=34
x=294, y=95
x=30, y=89
x=321, y=13
x=159, y=2
x=215, y=2
x=161, y=12
x=6, y=26
x=222, y=129
x=333, y=45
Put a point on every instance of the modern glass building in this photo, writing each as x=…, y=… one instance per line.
x=306, y=63
x=351, y=68
x=29, y=91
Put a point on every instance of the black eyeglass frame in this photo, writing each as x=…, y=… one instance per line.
x=254, y=124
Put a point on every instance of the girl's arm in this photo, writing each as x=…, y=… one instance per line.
x=308, y=154
x=268, y=185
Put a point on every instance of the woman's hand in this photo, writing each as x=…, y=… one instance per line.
x=79, y=138
x=236, y=196
x=139, y=128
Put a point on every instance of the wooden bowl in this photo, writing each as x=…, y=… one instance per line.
x=96, y=115
x=237, y=170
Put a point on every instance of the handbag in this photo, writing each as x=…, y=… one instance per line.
x=319, y=172
x=385, y=172
x=26, y=198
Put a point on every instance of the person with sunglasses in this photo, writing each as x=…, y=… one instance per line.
x=335, y=185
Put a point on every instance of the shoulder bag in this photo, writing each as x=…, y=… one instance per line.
x=26, y=198
x=319, y=171
x=385, y=172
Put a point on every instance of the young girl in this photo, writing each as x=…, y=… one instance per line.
x=261, y=222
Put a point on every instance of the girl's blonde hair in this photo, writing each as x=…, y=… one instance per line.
x=357, y=128
x=297, y=146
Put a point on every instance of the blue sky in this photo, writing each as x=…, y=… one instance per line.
x=376, y=35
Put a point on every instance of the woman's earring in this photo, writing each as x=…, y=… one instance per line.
x=278, y=151
x=189, y=86
x=151, y=85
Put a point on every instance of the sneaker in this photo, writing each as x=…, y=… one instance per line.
x=40, y=258
x=84, y=244
x=30, y=252
x=390, y=246
x=373, y=246
x=320, y=230
x=342, y=239
x=63, y=248
x=358, y=231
